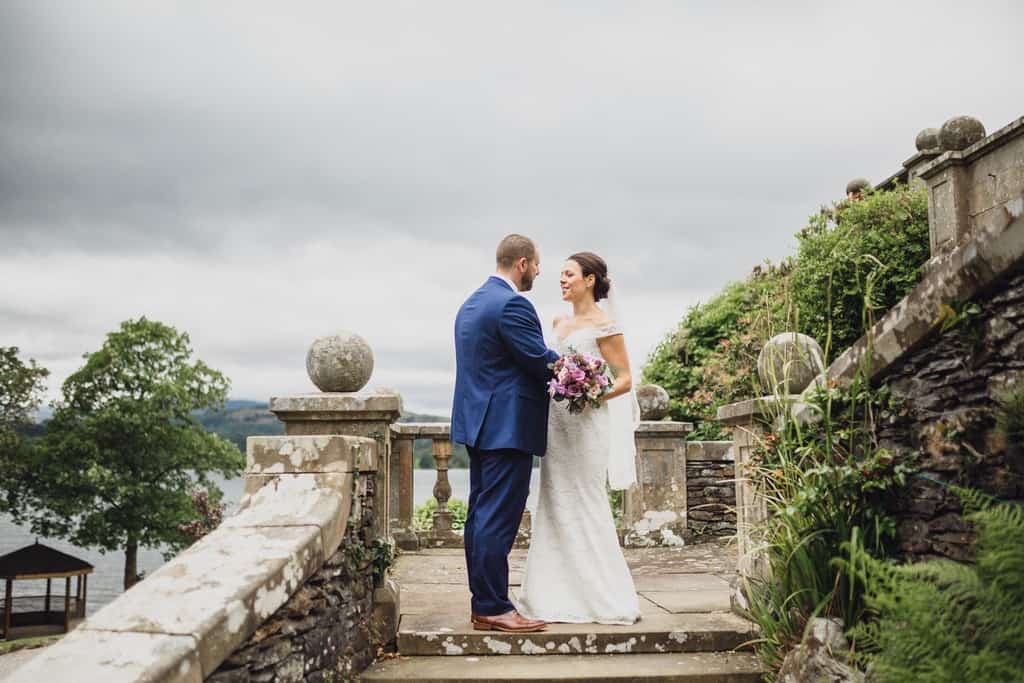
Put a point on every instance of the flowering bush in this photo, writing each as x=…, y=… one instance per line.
x=580, y=379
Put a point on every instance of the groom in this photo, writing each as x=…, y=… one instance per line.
x=500, y=413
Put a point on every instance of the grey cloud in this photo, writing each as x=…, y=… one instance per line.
x=685, y=143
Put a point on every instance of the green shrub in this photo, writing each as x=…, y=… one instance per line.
x=872, y=249
x=884, y=236
x=423, y=515
x=711, y=359
x=940, y=621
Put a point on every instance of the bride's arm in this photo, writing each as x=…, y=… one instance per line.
x=613, y=349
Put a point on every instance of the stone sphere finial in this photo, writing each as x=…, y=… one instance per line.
x=858, y=185
x=789, y=362
x=653, y=401
x=960, y=132
x=341, y=362
x=927, y=139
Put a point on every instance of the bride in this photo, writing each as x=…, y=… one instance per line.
x=575, y=570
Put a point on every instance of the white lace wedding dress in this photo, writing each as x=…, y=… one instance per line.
x=575, y=570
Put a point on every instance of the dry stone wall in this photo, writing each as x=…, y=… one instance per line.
x=951, y=387
x=710, y=490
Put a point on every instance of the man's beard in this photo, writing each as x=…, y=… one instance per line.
x=526, y=284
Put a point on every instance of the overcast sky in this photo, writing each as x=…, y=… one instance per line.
x=260, y=174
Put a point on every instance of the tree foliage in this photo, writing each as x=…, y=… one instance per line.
x=21, y=389
x=124, y=450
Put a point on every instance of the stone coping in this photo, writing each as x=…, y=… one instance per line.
x=743, y=412
x=310, y=454
x=664, y=428
x=417, y=430
x=182, y=621
x=959, y=275
x=335, y=406
x=709, y=451
x=969, y=155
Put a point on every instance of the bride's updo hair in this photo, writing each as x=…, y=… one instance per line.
x=592, y=264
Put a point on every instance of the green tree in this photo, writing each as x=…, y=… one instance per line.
x=125, y=451
x=21, y=388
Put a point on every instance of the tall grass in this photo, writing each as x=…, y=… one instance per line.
x=822, y=475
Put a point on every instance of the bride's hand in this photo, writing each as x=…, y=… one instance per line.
x=613, y=349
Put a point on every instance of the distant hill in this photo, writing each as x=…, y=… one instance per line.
x=241, y=419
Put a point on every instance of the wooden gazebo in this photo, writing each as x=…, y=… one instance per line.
x=38, y=561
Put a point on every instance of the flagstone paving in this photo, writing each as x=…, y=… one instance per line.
x=687, y=631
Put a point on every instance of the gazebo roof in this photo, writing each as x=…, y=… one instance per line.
x=38, y=561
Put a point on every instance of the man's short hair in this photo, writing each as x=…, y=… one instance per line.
x=514, y=247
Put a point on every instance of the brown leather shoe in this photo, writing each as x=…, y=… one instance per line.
x=510, y=622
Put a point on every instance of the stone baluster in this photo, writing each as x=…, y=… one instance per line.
x=442, y=488
x=402, y=508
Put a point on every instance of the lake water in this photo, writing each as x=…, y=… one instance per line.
x=105, y=582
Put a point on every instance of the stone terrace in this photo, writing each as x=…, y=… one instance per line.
x=687, y=632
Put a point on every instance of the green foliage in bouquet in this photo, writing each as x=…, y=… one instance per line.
x=944, y=622
x=423, y=515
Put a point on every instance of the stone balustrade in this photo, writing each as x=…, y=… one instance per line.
x=685, y=489
x=404, y=436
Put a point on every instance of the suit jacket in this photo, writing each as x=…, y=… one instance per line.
x=501, y=367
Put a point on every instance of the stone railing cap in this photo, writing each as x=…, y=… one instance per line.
x=422, y=429
x=663, y=426
x=337, y=403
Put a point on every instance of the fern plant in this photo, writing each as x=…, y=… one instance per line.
x=940, y=621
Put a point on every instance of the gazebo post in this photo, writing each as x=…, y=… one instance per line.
x=67, y=603
x=85, y=588
x=47, y=607
x=8, y=606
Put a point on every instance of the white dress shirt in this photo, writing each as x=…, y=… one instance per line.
x=510, y=283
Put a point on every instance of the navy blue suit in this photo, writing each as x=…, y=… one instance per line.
x=500, y=412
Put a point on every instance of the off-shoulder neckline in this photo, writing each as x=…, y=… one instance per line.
x=610, y=323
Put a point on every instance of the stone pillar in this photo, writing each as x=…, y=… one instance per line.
x=654, y=511
x=749, y=420
x=948, y=182
x=341, y=365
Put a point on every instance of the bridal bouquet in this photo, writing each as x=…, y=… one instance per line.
x=580, y=379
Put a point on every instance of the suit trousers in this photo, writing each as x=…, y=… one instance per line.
x=499, y=483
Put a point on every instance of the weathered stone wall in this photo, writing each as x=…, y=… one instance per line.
x=325, y=632
x=951, y=385
x=710, y=489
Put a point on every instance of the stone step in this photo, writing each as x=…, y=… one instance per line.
x=453, y=635
x=694, y=667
